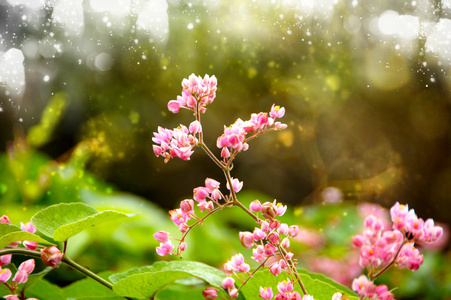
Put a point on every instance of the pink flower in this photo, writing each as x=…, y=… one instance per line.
x=308, y=297
x=30, y=245
x=236, y=263
x=5, y=259
x=187, y=206
x=236, y=184
x=283, y=229
x=161, y=236
x=259, y=234
x=270, y=249
x=178, y=217
x=5, y=219
x=182, y=246
x=174, y=143
x=275, y=269
x=369, y=256
x=211, y=184
x=201, y=194
x=277, y=111
x=233, y=293
x=398, y=215
x=165, y=248
x=195, y=127
x=431, y=232
x=281, y=209
x=266, y=293
x=27, y=266
x=274, y=238
x=183, y=227
x=363, y=286
x=174, y=106
x=285, y=243
x=216, y=195
x=383, y=293
x=210, y=293
x=259, y=253
x=409, y=257
x=337, y=296
x=228, y=283
x=51, y=256
x=12, y=297
x=293, y=231
x=5, y=275
x=255, y=206
x=20, y=277
x=206, y=206
x=285, y=286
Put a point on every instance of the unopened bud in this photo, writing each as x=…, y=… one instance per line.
x=51, y=256
x=269, y=210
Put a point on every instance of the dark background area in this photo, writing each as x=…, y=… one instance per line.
x=367, y=112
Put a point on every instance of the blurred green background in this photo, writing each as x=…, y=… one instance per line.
x=83, y=84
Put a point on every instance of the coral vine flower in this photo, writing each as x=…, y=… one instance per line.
x=5, y=275
x=165, y=248
x=161, y=236
x=23, y=271
x=210, y=293
x=266, y=293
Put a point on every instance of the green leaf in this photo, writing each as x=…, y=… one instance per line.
x=61, y=221
x=321, y=277
x=44, y=290
x=35, y=277
x=320, y=287
x=11, y=233
x=88, y=286
x=148, y=281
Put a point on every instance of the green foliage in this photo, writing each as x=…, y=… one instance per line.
x=64, y=220
x=320, y=287
x=11, y=233
x=148, y=281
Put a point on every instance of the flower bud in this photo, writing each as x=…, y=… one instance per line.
x=51, y=256
x=5, y=259
x=269, y=210
x=210, y=293
x=161, y=236
x=247, y=239
x=5, y=219
x=5, y=275
x=274, y=238
x=187, y=206
x=182, y=246
x=255, y=206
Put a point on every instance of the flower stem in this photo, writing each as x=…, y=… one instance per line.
x=65, y=260
x=390, y=264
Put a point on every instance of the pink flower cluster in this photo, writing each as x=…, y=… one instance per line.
x=234, y=138
x=380, y=247
x=178, y=142
x=206, y=197
x=30, y=245
x=270, y=241
x=367, y=289
x=197, y=93
x=21, y=276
